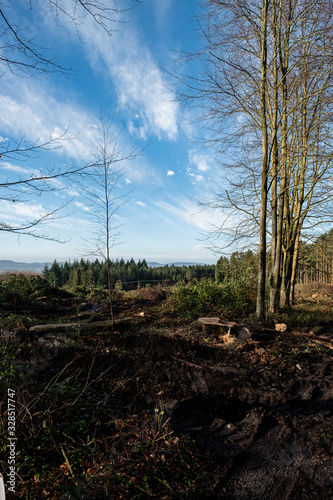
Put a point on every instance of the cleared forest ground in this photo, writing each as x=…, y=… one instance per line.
x=158, y=410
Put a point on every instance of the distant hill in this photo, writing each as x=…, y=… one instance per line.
x=156, y=264
x=10, y=265
x=187, y=264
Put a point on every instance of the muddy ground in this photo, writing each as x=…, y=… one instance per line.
x=259, y=412
x=264, y=413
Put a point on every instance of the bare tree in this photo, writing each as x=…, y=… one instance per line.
x=21, y=54
x=106, y=197
x=265, y=164
x=35, y=183
x=305, y=87
x=267, y=81
x=29, y=183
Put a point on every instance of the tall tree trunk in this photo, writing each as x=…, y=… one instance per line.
x=284, y=64
x=274, y=281
x=294, y=268
x=286, y=276
x=260, y=312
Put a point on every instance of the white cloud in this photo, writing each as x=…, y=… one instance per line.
x=73, y=192
x=139, y=131
x=36, y=114
x=161, y=10
x=140, y=203
x=170, y=173
x=20, y=211
x=19, y=170
x=197, y=177
x=185, y=210
x=188, y=123
x=200, y=161
x=140, y=171
x=200, y=164
x=81, y=206
x=141, y=88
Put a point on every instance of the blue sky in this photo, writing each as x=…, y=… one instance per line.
x=126, y=75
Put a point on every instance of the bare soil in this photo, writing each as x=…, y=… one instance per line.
x=263, y=409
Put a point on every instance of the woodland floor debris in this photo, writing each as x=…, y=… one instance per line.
x=172, y=413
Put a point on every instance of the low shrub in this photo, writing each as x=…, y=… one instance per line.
x=19, y=285
x=149, y=292
x=206, y=297
x=10, y=376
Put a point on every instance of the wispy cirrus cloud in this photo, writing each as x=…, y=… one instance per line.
x=185, y=210
x=20, y=211
x=195, y=177
x=81, y=206
x=10, y=167
x=161, y=10
x=141, y=87
x=200, y=165
x=36, y=114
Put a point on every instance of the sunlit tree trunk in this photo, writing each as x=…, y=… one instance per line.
x=260, y=312
x=274, y=276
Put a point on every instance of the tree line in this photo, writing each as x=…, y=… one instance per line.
x=126, y=275
x=315, y=265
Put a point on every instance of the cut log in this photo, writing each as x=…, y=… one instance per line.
x=281, y=327
x=82, y=326
x=2, y=484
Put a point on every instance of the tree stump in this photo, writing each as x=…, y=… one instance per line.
x=217, y=327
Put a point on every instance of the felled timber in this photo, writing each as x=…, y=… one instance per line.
x=81, y=326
